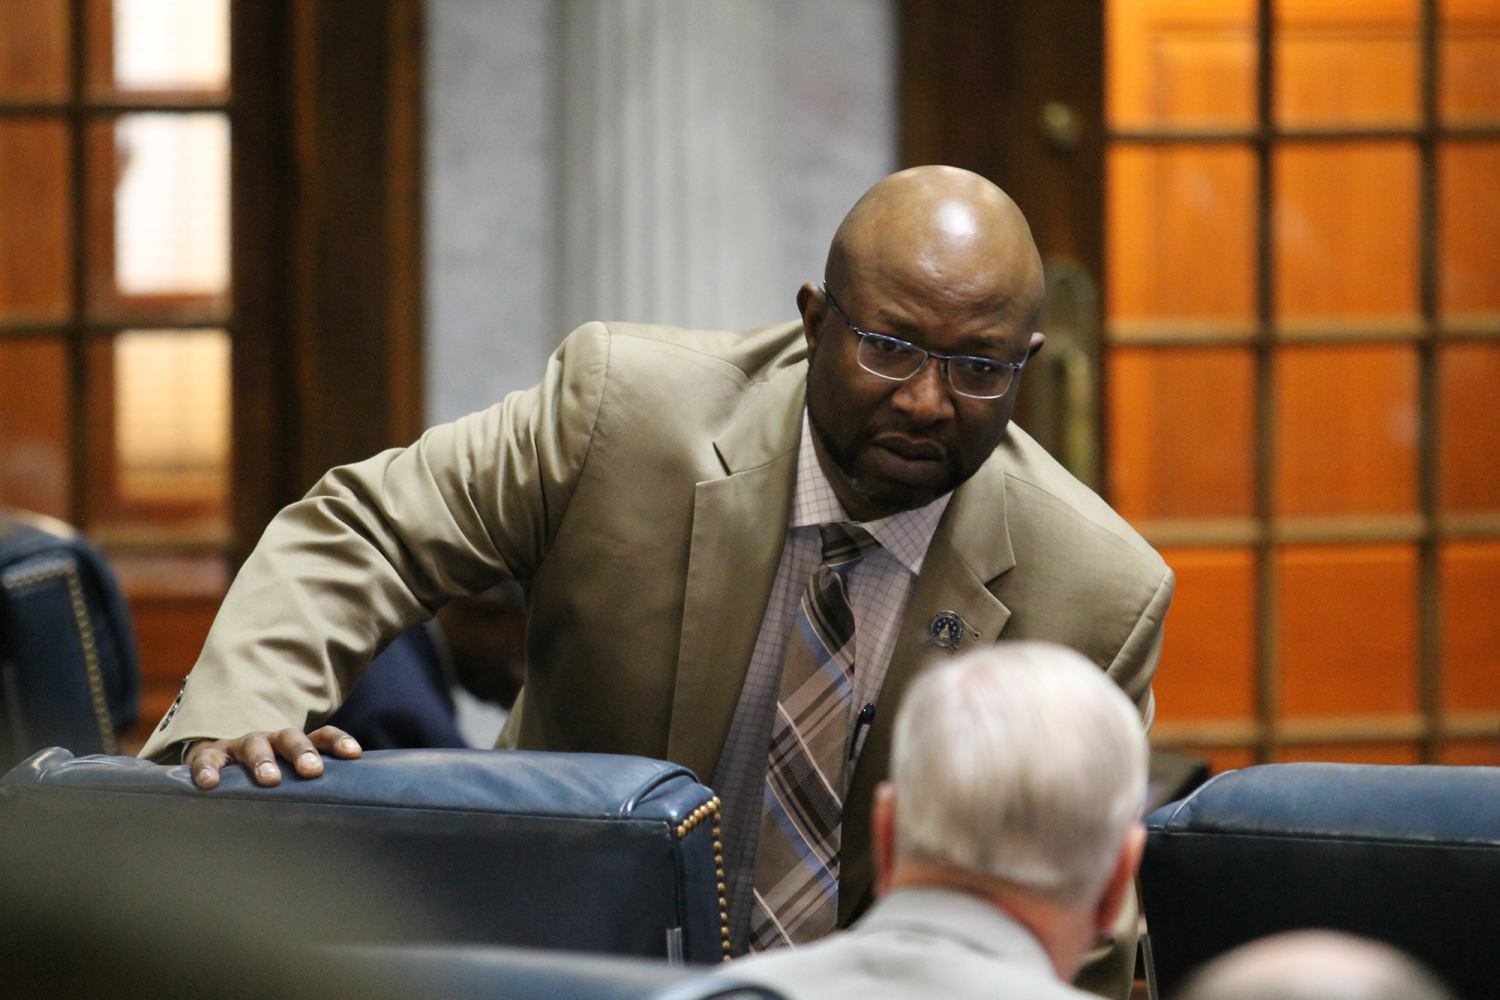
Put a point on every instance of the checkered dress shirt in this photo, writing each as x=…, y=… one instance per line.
x=879, y=589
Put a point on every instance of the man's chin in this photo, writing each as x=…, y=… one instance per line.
x=891, y=497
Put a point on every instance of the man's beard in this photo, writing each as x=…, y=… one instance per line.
x=892, y=500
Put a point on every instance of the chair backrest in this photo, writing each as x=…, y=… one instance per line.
x=68, y=670
x=1406, y=855
x=586, y=852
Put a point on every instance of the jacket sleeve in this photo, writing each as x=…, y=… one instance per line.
x=1135, y=665
x=377, y=546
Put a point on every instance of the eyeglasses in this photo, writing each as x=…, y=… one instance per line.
x=897, y=360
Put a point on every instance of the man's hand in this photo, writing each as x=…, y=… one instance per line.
x=258, y=752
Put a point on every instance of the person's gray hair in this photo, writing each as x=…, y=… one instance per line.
x=1022, y=762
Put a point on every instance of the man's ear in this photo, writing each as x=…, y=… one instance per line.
x=883, y=835
x=811, y=305
x=1120, y=879
x=1037, y=340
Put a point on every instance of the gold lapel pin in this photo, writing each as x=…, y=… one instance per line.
x=946, y=629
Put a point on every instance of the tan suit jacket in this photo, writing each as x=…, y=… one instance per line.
x=642, y=493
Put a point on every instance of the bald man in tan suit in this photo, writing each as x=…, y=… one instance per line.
x=644, y=492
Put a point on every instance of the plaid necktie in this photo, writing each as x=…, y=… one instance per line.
x=797, y=856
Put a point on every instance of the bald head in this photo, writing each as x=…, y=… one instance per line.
x=943, y=233
x=1314, y=965
x=937, y=259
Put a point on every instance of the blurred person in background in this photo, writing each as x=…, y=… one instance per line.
x=448, y=682
x=1314, y=965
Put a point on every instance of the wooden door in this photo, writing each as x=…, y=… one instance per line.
x=1300, y=262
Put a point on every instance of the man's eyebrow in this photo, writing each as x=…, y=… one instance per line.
x=910, y=331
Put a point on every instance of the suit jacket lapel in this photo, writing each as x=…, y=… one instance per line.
x=732, y=565
x=970, y=549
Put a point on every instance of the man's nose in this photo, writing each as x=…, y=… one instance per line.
x=926, y=396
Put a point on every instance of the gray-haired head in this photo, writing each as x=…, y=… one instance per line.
x=1314, y=965
x=1021, y=762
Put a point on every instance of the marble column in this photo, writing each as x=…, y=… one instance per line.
x=668, y=173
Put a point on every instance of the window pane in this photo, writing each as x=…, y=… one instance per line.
x=1208, y=656
x=1346, y=430
x=1182, y=431
x=34, y=425
x=1181, y=63
x=1348, y=629
x=172, y=414
x=1181, y=233
x=1347, y=63
x=168, y=213
x=1469, y=248
x=159, y=417
x=34, y=239
x=1470, y=58
x=1471, y=626
x=1346, y=231
x=34, y=49
x=1469, y=392
x=162, y=46
x=1351, y=753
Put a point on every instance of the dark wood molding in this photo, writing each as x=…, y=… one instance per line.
x=975, y=76
x=326, y=167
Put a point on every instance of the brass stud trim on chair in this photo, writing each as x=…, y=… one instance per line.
x=69, y=571
x=694, y=818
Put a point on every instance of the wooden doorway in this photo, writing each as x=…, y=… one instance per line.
x=1296, y=207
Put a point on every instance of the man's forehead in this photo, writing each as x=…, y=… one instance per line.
x=915, y=302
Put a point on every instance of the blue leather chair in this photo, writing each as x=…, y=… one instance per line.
x=585, y=852
x=157, y=912
x=1406, y=855
x=68, y=670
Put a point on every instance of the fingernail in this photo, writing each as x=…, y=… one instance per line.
x=347, y=743
x=205, y=773
x=309, y=758
x=265, y=769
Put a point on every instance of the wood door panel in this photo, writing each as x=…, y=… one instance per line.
x=1208, y=657
x=1181, y=63
x=1346, y=231
x=1182, y=432
x=1471, y=626
x=1469, y=85
x=1469, y=237
x=1346, y=63
x=1470, y=753
x=1346, y=430
x=1469, y=387
x=1172, y=210
x=1348, y=630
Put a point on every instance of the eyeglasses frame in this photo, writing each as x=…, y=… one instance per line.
x=947, y=372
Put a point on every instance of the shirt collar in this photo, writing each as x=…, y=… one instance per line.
x=905, y=535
